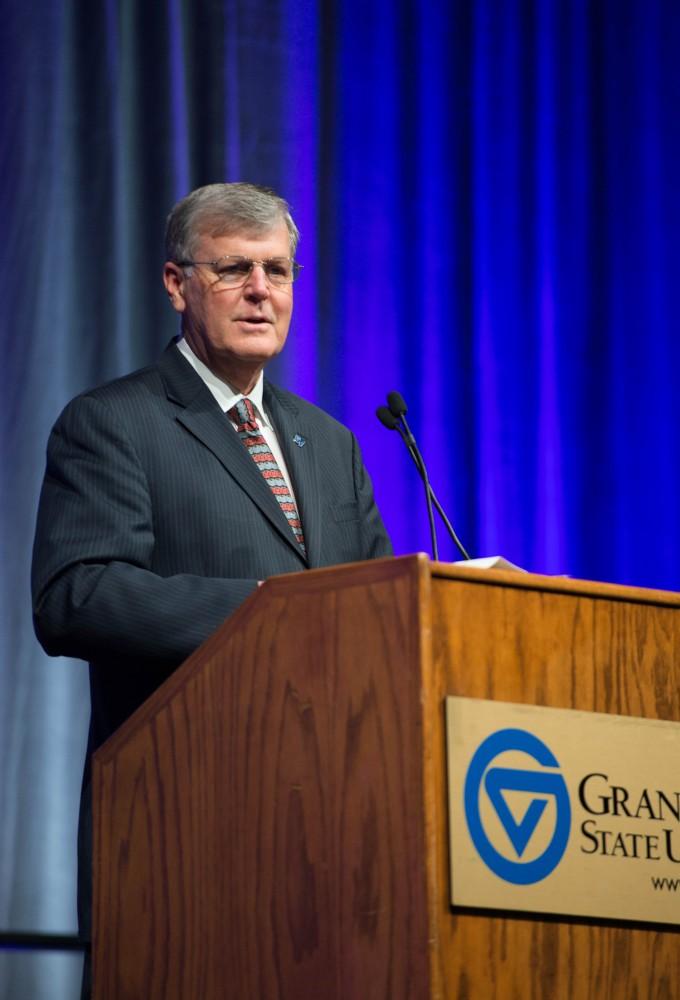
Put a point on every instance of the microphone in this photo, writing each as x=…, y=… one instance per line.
x=394, y=418
x=386, y=418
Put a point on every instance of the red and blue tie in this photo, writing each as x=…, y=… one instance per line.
x=248, y=429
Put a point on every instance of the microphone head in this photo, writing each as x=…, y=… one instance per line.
x=396, y=403
x=386, y=418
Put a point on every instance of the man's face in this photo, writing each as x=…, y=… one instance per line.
x=235, y=331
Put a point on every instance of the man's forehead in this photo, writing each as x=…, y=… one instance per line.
x=270, y=242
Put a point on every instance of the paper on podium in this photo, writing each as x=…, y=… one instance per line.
x=490, y=562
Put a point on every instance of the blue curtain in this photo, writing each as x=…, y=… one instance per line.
x=489, y=204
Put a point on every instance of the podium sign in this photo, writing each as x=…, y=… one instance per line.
x=564, y=812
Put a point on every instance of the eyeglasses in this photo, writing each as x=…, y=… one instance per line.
x=232, y=271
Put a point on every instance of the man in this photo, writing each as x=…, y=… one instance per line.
x=168, y=496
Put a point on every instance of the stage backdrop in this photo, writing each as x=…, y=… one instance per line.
x=489, y=201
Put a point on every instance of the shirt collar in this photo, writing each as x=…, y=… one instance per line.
x=225, y=394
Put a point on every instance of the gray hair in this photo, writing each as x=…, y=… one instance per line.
x=222, y=209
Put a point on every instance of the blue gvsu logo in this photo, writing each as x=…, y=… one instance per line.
x=512, y=857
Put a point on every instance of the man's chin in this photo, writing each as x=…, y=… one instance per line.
x=245, y=330
x=251, y=354
x=256, y=345
x=254, y=353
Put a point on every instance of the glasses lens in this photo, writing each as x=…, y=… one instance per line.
x=233, y=271
x=279, y=270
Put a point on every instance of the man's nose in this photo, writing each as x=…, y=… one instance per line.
x=257, y=285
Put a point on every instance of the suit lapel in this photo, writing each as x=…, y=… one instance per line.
x=200, y=414
x=297, y=440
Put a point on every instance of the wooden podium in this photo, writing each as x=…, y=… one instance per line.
x=272, y=823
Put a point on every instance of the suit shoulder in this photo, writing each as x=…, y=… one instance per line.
x=140, y=382
x=120, y=393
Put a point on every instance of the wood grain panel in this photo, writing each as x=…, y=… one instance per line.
x=566, y=645
x=261, y=819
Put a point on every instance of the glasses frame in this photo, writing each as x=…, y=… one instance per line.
x=296, y=268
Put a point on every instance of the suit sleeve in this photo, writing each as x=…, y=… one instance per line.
x=95, y=594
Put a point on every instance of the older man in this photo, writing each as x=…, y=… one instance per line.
x=171, y=492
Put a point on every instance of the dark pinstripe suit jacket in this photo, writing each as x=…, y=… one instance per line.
x=155, y=524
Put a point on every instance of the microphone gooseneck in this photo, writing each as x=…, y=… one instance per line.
x=395, y=419
x=393, y=416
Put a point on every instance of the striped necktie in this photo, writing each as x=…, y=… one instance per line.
x=248, y=430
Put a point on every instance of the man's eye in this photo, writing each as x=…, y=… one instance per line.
x=236, y=269
x=278, y=268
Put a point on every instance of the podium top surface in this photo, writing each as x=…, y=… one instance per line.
x=555, y=584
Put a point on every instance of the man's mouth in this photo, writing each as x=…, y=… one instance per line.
x=254, y=320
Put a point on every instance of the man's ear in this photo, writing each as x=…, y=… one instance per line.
x=173, y=279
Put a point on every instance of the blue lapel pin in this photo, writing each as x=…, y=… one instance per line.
x=300, y=441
